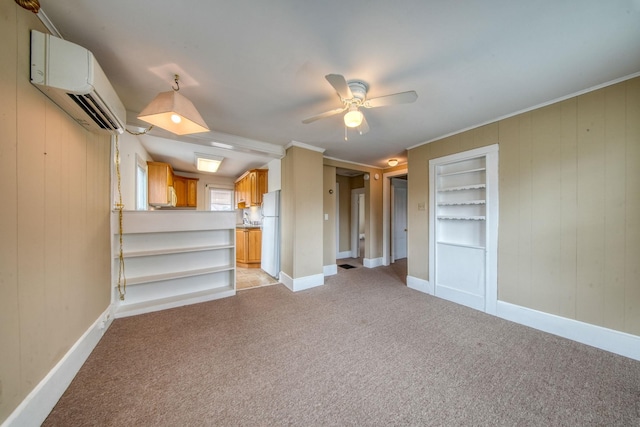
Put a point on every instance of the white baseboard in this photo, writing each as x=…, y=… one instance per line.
x=35, y=408
x=419, y=285
x=330, y=270
x=301, y=283
x=373, y=262
x=342, y=255
x=596, y=336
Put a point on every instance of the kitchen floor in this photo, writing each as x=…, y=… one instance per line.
x=248, y=278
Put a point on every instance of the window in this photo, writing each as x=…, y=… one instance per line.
x=220, y=199
x=141, y=184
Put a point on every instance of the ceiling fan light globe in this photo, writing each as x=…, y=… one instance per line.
x=353, y=119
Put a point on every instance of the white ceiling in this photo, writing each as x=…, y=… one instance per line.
x=255, y=69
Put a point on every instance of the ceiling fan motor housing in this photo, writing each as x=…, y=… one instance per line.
x=358, y=89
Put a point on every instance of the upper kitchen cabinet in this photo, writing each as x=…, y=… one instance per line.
x=186, y=191
x=160, y=184
x=250, y=187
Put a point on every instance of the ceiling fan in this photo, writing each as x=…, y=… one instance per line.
x=353, y=95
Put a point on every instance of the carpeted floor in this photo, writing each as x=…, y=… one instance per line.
x=363, y=350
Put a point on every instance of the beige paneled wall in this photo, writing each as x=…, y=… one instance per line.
x=329, y=221
x=54, y=251
x=302, y=213
x=569, y=241
x=569, y=226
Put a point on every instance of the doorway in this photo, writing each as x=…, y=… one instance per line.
x=398, y=218
x=357, y=223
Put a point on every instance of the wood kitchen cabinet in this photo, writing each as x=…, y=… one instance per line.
x=160, y=179
x=250, y=187
x=186, y=191
x=248, y=247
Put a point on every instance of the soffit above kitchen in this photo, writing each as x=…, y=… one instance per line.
x=256, y=69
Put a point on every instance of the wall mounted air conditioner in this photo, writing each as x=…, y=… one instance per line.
x=71, y=77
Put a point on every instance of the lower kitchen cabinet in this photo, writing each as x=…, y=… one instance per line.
x=248, y=247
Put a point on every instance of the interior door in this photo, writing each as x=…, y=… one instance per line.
x=399, y=229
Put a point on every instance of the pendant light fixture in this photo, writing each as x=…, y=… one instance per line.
x=174, y=112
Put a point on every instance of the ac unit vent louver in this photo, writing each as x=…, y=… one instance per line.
x=93, y=109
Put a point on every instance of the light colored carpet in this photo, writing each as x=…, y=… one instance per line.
x=363, y=350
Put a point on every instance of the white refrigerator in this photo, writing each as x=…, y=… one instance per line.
x=271, y=233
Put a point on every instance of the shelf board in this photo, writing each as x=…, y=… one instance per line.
x=463, y=187
x=462, y=218
x=463, y=172
x=461, y=245
x=464, y=203
x=176, y=275
x=167, y=251
x=124, y=309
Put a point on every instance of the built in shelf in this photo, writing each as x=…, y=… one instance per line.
x=462, y=172
x=175, y=301
x=174, y=258
x=462, y=218
x=167, y=251
x=176, y=275
x=463, y=187
x=460, y=245
x=463, y=203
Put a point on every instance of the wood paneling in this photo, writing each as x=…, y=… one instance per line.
x=614, y=206
x=632, y=208
x=54, y=251
x=508, y=201
x=591, y=210
x=10, y=394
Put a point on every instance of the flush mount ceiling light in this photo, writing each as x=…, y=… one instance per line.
x=174, y=112
x=392, y=162
x=353, y=118
x=207, y=162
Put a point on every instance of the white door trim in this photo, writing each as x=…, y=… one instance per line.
x=355, y=238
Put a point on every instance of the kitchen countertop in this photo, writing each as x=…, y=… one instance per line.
x=247, y=226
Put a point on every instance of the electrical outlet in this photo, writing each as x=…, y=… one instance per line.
x=326, y=217
x=422, y=206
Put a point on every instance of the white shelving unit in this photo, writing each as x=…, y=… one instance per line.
x=174, y=258
x=463, y=233
x=461, y=202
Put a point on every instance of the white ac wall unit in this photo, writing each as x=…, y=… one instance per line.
x=72, y=78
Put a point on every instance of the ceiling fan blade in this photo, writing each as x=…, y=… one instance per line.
x=396, y=98
x=323, y=115
x=340, y=85
x=364, y=126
